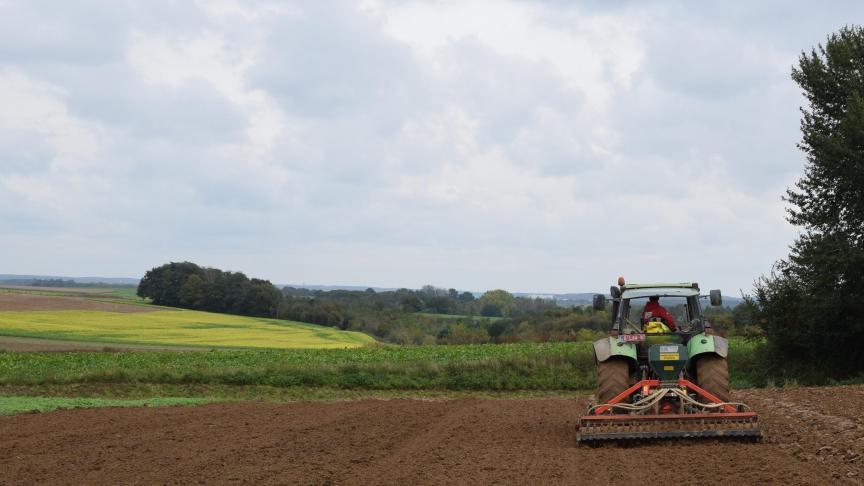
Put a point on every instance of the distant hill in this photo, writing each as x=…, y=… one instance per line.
x=566, y=299
x=583, y=298
x=328, y=288
x=13, y=279
x=563, y=299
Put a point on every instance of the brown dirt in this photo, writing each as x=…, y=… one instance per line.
x=65, y=290
x=38, y=345
x=33, y=302
x=813, y=436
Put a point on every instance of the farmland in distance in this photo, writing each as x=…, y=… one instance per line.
x=109, y=318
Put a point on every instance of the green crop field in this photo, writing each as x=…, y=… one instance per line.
x=486, y=367
x=524, y=366
x=175, y=327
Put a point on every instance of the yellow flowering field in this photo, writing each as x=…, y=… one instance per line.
x=176, y=327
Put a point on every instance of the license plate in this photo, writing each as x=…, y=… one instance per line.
x=669, y=357
x=631, y=338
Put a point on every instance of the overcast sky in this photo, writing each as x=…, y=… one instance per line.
x=531, y=146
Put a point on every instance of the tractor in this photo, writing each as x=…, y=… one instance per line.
x=662, y=371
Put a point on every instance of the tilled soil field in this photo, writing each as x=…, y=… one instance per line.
x=35, y=302
x=813, y=436
x=38, y=345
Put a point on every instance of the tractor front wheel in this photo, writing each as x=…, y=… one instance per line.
x=712, y=375
x=613, y=377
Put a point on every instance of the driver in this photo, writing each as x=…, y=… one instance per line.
x=653, y=309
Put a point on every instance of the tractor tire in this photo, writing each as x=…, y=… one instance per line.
x=712, y=375
x=613, y=377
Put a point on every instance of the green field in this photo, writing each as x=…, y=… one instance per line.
x=488, y=367
x=128, y=293
x=552, y=366
x=259, y=357
x=175, y=327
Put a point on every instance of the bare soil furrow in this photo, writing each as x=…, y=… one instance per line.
x=467, y=441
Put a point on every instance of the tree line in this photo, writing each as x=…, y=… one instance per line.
x=430, y=315
x=811, y=305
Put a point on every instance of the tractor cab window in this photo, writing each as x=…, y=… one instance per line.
x=676, y=306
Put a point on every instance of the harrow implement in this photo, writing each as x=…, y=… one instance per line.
x=665, y=410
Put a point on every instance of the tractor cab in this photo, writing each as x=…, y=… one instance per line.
x=662, y=315
x=655, y=314
x=634, y=313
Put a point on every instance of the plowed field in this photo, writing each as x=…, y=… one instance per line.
x=32, y=302
x=813, y=436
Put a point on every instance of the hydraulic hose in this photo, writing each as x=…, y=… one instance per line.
x=659, y=394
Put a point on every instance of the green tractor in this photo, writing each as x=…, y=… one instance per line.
x=662, y=372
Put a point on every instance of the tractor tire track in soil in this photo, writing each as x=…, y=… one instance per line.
x=813, y=436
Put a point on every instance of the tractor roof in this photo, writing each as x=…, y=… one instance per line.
x=660, y=290
x=680, y=285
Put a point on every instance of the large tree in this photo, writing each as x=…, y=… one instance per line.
x=187, y=285
x=163, y=283
x=496, y=303
x=812, y=305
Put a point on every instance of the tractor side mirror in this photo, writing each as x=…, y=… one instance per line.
x=716, y=298
x=599, y=302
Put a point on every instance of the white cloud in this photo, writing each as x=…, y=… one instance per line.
x=592, y=53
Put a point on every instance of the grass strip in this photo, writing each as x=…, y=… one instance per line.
x=11, y=405
x=270, y=394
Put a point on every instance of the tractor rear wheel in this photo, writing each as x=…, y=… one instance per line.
x=712, y=375
x=613, y=377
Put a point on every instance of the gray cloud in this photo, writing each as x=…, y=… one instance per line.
x=333, y=61
x=544, y=146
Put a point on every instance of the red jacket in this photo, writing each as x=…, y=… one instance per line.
x=654, y=309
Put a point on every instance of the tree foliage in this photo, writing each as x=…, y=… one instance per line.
x=189, y=286
x=497, y=303
x=813, y=301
